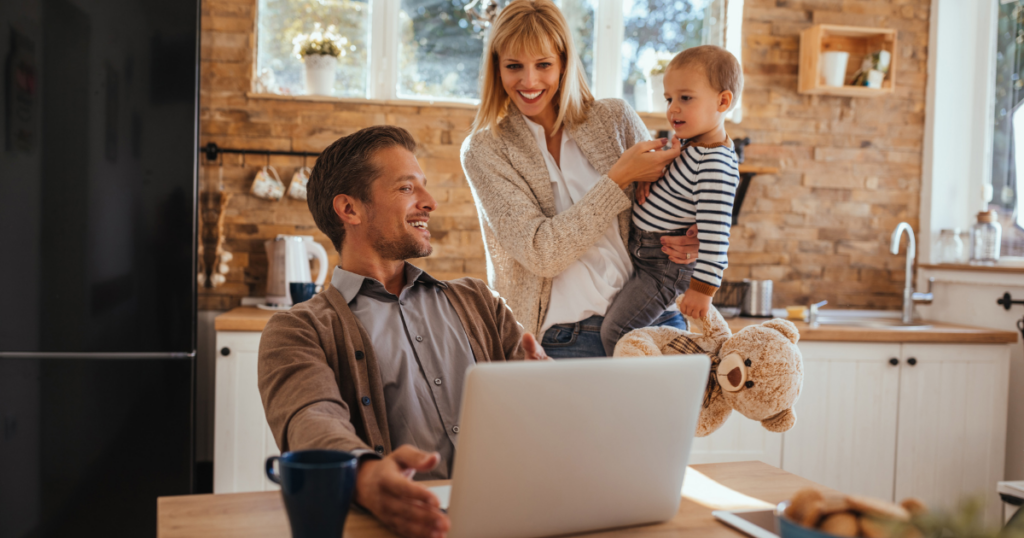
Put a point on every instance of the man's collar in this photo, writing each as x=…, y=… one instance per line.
x=350, y=284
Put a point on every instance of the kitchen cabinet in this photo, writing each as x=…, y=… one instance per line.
x=951, y=439
x=890, y=420
x=845, y=434
x=242, y=439
x=739, y=439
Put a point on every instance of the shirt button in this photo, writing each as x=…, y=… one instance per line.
x=401, y=303
x=455, y=429
x=419, y=338
x=378, y=449
x=366, y=400
x=437, y=381
x=359, y=355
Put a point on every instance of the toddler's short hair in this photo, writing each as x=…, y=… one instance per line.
x=720, y=66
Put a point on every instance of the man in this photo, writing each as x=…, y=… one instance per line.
x=378, y=359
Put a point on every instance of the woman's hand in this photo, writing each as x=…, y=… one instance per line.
x=645, y=162
x=682, y=249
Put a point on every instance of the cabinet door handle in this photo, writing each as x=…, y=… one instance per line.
x=225, y=351
x=894, y=361
x=911, y=361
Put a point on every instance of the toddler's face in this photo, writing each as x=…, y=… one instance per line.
x=531, y=80
x=694, y=107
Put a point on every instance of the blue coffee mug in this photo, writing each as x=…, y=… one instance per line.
x=317, y=486
x=301, y=291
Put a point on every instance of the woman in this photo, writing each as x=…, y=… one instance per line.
x=552, y=173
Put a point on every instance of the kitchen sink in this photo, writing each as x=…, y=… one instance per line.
x=875, y=319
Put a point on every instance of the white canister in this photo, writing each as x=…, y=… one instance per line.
x=656, y=92
x=833, y=67
x=320, y=69
x=875, y=78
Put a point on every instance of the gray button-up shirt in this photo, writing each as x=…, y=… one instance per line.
x=423, y=353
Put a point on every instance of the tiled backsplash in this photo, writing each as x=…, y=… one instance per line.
x=850, y=167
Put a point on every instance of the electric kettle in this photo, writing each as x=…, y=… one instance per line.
x=288, y=259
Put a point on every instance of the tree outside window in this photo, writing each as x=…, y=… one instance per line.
x=1008, y=162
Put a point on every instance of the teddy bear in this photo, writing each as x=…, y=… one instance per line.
x=758, y=371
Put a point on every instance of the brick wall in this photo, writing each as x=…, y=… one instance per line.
x=850, y=169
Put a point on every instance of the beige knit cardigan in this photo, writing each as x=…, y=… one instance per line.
x=528, y=243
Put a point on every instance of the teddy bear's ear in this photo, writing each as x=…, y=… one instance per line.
x=780, y=422
x=785, y=327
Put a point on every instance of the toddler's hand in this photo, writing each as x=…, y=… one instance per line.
x=695, y=304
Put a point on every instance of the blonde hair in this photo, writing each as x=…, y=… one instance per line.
x=533, y=27
x=720, y=66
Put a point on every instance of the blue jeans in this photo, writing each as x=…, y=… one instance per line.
x=583, y=338
x=655, y=284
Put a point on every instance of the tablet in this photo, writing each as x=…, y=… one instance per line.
x=755, y=523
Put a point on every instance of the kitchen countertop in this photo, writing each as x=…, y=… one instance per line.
x=249, y=318
x=939, y=333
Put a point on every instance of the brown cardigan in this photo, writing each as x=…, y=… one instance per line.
x=319, y=378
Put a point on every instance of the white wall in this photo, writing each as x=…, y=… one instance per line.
x=969, y=298
x=958, y=116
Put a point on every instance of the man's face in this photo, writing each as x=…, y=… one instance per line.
x=399, y=207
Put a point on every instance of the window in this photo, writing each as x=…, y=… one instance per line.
x=281, y=21
x=1008, y=139
x=431, y=50
x=656, y=30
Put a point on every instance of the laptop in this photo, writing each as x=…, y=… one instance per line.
x=572, y=446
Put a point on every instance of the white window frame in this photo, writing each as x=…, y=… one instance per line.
x=957, y=152
x=608, y=35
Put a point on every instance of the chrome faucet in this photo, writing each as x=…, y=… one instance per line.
x=812, y=315
x=910, y=297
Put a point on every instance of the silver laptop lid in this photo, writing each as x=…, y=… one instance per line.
x=573, y=445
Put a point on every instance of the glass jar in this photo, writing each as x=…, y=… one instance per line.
x=986, y=235
x=949, y=247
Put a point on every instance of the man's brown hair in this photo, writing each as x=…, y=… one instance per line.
x=720, y=66
x=346, y=167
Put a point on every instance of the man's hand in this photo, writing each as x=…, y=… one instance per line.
x=533, y=350
x=695, y=304
x=681, y=249
x=385, y=488
x=643, y=190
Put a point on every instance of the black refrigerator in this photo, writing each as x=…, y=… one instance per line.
x=97, y=268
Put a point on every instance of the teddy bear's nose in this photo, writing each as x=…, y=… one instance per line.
x=732, y=373
x=735, y=377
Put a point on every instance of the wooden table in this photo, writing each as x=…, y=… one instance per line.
x=261, y=514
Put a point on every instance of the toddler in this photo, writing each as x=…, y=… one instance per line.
x=701, y=84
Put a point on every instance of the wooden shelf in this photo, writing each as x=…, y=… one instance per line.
x=859, y=42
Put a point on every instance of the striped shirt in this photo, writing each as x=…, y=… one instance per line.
x=698, y=188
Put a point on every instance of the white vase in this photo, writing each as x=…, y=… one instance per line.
x=833, y=67
x=320, y=69
x=656, y=93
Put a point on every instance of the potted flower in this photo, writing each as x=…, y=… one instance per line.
x=319, y=51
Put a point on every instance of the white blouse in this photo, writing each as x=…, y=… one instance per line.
x=588, y=286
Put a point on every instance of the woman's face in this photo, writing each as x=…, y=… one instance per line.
x=531, y=80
